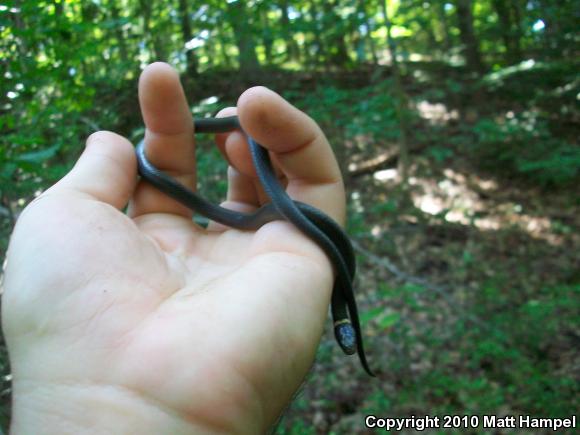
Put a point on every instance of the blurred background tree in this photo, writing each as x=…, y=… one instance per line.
x=456, y=125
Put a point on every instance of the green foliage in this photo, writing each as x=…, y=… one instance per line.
x=70, y=67
x=365, y=116
x=440, y=154
x=507, y=358
x=298, y=428
x=523, y=144
x=519, y=359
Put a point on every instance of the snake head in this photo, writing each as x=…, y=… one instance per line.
x=345, y=336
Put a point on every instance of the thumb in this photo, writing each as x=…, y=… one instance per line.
x=105, y=171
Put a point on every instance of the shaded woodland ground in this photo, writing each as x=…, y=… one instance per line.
x=461, y=172
x=468, y=280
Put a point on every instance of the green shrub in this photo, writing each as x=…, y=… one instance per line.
x=363, y=117
x=523, y=145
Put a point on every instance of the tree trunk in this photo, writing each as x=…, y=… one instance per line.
x=468, y=38
x=403, y=164
x=320, y=50
x=267, y=36
x=223, y=41
x=336, y=39
x=292, y=50
x=517, y=31
x=431, y=37
x=211, y=51
x=152, y=38
x=510, y=39
x=90, y=13
x=191, y=68
x=121, y=43
x=439, y=6
x=368, y=31
x=244, y=39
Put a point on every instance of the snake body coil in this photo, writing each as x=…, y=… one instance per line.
x=319, y=227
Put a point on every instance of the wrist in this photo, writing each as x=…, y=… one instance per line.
x=102, y=409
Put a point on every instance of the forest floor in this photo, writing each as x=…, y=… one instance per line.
x=468, y=281
x=453, y=304
x=468, y=278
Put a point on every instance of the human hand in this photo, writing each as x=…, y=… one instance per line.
x=147, y=323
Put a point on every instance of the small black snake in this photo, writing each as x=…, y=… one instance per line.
x=319, y=227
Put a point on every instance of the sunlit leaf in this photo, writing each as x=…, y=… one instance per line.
x=38, y=156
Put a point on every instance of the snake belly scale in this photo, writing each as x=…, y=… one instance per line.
x=315, y=224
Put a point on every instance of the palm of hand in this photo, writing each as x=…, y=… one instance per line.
x=155, y=307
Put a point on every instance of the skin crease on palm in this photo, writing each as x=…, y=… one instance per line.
x=146, y=323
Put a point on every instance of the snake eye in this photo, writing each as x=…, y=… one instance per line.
x=346, y=337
